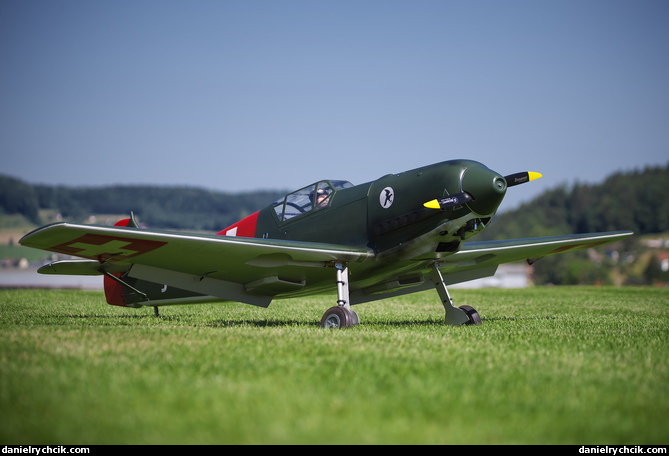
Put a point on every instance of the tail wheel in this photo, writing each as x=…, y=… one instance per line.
x=472, y=314
x=339, y=317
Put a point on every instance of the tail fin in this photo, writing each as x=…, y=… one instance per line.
x=131, y=292
x=129, y=222
x=114, y=291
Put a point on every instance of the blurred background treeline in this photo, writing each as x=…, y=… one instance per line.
x=169, y=207
x=637, y=201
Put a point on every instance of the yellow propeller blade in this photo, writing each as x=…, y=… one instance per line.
x=521, y=178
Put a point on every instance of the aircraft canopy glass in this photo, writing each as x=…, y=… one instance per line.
x=312, y=197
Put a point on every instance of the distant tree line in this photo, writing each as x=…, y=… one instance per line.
x=636, y=201
x=17, y=197
x=158, y=206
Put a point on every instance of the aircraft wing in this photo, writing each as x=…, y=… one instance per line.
x=253, y=271
x=476, y=260
x=240, y=269
x=530, y=249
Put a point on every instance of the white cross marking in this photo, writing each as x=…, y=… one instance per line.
x=113, y=246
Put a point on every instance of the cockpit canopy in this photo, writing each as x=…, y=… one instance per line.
x=312, y=197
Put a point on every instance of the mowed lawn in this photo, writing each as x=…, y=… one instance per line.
x=554, y=365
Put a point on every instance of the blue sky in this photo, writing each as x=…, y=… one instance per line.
x=250, y=94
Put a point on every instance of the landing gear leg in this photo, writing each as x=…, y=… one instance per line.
x=455, y=316
x=340, y=316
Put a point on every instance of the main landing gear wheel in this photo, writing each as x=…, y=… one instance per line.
x=472, y=314
x=339, y=317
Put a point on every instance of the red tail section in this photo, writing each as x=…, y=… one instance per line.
x=114, y=290
x=119, y=295
x=124, y=222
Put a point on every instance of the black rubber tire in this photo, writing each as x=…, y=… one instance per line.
x=338, y=317
x=472, y=314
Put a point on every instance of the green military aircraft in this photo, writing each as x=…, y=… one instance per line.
x=400, y=234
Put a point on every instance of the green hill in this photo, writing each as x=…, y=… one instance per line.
x=636, y=201
x=169, y=207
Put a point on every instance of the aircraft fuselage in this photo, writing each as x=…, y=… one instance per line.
x=386, y=214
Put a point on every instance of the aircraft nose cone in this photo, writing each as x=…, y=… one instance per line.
x=486, y=187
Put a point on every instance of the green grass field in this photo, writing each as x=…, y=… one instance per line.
x=578, y=365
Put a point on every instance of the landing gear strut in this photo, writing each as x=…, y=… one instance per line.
x=455, y=316
x=340, y=316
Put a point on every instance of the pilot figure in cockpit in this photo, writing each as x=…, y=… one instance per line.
x=321, y=198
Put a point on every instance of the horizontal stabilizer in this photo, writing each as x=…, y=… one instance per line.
x=79, y=267
x=72, y=267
